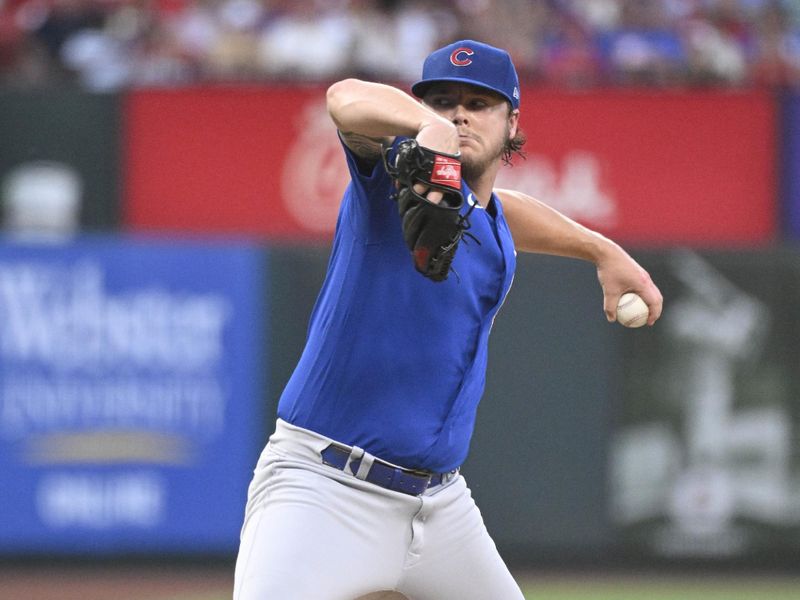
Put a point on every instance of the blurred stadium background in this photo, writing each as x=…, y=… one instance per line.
x=169, y=182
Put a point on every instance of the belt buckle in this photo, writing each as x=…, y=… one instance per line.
x=446, y=477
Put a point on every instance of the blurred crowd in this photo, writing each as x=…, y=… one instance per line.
x=113, y=44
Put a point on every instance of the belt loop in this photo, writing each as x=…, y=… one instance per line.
x=356, y=454
x=365, y=466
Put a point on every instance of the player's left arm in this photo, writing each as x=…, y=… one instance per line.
x=539, y=228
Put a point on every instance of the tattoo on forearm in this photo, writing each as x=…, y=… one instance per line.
x=363, y=146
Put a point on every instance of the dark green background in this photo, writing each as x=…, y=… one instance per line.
x=73, y=127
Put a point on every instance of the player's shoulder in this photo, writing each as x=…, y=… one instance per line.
x=506, y=195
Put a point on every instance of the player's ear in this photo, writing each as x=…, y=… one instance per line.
x=513, y=123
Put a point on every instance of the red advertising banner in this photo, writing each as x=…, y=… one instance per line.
x=650, y=168
x=232, y=160
x=655, y=168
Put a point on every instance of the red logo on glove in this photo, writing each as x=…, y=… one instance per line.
x=461, y=62
x=421, y=257
x=446, y=171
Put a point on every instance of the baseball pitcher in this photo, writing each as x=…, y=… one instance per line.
x=358, y=489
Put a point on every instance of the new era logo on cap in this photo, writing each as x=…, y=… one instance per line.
x=472, y=62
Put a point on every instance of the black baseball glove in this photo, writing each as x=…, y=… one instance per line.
x=432, y=231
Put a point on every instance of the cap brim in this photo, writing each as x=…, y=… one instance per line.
x=419, y=88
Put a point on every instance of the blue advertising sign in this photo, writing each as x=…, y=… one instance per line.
x=790, y=163
x=131, y=386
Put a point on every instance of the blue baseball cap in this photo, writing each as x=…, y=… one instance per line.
x=468, y=61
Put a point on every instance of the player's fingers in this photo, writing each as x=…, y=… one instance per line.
x=610, y=301
x=434, y=196
x=655, y=303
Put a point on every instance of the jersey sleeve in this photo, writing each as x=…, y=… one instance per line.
x=367, y=207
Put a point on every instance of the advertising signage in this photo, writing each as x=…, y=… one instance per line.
x=130, y=394
x=648, y=168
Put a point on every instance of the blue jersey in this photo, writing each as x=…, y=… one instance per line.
x=394, y=362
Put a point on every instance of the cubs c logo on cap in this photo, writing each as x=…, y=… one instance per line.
x=461, y=62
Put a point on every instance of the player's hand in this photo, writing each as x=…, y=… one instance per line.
x=619, y=273
x=438, y=134
x=441, y=135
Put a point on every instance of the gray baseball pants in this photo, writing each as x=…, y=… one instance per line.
x=312, y=532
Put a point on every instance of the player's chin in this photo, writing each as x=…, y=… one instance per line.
x=475, y=154
x=469, y=153
x=472, y=169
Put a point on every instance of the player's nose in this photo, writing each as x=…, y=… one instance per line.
x=459, y=115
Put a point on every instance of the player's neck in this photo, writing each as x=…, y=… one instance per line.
x=482, y=184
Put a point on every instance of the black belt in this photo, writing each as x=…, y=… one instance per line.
x=386, y=475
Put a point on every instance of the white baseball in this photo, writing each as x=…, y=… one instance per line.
x=632, y=311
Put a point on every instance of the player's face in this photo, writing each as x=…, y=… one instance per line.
x=483, y=118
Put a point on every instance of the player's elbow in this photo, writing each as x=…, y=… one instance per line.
x=340, y=95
